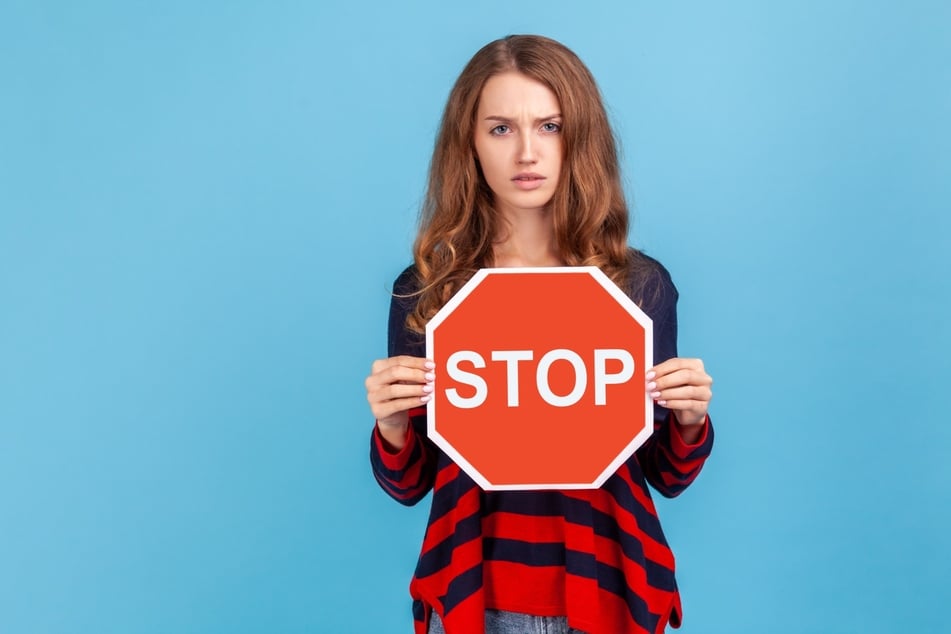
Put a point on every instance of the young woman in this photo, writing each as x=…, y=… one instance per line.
x=525, y=173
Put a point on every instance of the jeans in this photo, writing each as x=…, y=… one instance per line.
x=498, y=622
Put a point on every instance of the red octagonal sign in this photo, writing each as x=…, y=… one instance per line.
x=540, y=378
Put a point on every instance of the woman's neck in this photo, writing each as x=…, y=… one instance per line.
x=527, y=239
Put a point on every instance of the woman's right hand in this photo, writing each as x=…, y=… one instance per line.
x=395, y=386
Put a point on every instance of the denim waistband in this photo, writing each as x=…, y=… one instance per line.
x=500, y=622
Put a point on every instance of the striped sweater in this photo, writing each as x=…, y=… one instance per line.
x=598, y=556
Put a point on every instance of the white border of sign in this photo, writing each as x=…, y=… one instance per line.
x=621, y=297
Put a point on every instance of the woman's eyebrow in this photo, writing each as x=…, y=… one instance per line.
x=508, y=120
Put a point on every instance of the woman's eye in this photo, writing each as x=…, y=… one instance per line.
x=551, y=127
x=499, y=129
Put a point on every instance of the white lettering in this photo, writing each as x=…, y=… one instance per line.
x=581, y=378
x=511, y=358
x=601, y=376
x=467, y=378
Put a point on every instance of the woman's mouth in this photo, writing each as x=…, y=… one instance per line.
x=528, y=180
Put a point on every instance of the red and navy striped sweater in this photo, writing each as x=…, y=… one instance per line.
x=598, y=556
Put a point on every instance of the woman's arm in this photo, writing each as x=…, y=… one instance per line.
x=402, y=458
x=683, y=436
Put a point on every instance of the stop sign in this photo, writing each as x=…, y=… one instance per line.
x=540, y=378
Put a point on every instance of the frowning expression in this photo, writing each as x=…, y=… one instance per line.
x=518, y=142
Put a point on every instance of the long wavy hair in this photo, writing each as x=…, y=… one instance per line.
x=458, y=223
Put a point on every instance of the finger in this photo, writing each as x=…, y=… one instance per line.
x=388, y=408
x=697, y=393
x=679, y=378
x=395, y=391
x=399, y=374
x=674, y=364
x=405, y=360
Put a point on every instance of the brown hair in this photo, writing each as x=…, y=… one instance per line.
x=458, y=223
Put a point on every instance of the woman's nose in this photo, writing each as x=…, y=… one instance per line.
x=526, y=150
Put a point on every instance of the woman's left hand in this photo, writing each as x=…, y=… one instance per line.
x=683, y=387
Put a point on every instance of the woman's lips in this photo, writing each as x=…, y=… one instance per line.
x=528, y=180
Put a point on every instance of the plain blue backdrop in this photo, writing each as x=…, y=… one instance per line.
x=202, y=206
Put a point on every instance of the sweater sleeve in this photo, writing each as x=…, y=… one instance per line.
x=668, y=463
x=408, y=474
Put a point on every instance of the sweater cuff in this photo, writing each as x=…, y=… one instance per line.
x=680, y=448
x=394, y=461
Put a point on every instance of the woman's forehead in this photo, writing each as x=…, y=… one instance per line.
x=513, y=95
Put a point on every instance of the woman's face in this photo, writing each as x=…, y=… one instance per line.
x=518, y=142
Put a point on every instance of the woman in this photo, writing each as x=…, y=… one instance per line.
x=525, y=173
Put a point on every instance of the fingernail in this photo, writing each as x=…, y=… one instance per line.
x=429, y=376
x=426, y=398
x=655, y=395
x=651, y=375
x=427, y=388
x=662, y=403
x=429, y=365
x=651, y=385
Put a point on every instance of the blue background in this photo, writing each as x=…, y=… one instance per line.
x=202, y=206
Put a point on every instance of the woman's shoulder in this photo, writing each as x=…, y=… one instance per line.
x=649, y=282
x=641, y=263
x=407, y=282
